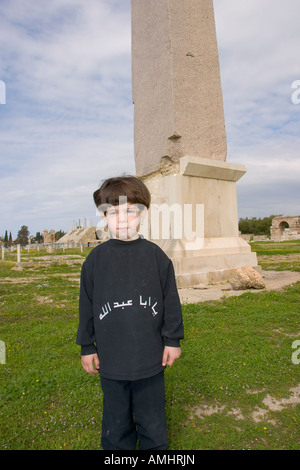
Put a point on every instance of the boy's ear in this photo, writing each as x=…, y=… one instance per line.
x=102, y=209
x=103, y=216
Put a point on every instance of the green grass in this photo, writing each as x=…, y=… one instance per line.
x=278, y=256
x=236, y=352
x=234, y=347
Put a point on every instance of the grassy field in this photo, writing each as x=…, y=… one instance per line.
x=235, y=386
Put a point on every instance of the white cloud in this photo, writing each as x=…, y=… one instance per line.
x=258, y=42
x=68, y=118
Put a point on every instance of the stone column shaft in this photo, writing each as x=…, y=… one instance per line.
x=177, y=91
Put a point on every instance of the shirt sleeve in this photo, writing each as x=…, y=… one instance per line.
x=172, y=329
x=86, y=334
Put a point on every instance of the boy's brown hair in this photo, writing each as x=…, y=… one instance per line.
x=130, y=187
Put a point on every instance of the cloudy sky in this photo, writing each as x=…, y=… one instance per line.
x=67, y=121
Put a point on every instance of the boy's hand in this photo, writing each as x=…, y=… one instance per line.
x=170, y=355
x=90, y=363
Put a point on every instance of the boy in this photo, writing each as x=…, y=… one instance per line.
x=129, y=306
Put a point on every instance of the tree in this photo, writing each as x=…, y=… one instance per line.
x=7, y=240
x=256, y=226
x=38, y=238
x=59, y=234
x=23, y=234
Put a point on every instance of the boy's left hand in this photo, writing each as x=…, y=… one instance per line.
x=170, y=355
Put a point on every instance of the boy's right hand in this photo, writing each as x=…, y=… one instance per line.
x=90, y=363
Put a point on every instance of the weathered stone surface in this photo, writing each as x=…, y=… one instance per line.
x=246, y=278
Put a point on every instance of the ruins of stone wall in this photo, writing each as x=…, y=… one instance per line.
x=285, y=228
x=79, y=235
x=49, y=237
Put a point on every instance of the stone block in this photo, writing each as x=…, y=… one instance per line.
x=246, y=277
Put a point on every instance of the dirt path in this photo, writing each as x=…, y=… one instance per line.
x=274, y=280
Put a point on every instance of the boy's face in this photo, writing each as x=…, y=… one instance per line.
x=124, y=221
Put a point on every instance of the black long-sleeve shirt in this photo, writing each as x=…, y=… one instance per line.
x=129, y=306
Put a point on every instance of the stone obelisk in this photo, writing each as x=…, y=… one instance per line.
x=179, y=134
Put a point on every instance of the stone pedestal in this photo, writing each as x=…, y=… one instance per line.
x=193, y=218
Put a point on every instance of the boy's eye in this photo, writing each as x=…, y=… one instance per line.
x=133, y=211
x=111, y=212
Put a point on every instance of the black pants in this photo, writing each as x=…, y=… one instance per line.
x=134, y=411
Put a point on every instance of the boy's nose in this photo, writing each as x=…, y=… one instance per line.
x=123, y=215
